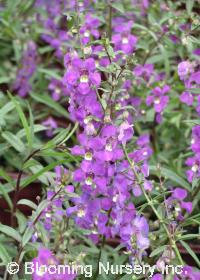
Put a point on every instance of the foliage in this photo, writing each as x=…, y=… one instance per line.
x=99, y=135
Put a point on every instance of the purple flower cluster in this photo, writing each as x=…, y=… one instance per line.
x=122, y=38
x=105, y=176
x=194, y=161
x=89, y=29
x=57, y=89
x=159, y=100
x=175, y=204
x=26, y=71
x=145, y=71
x=189, y=73
x=44, y=267
x=55, y=211
x=51, y=125
x=54, y=35
x=82, y=80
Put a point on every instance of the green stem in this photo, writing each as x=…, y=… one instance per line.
x=99, y=258
x=150, y=202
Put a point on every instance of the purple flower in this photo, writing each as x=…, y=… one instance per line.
x=184, y=69
x=51, y=125
x=158, y=98
x=194, y=80
x=179, y=193
x=137, y=232
x=195, y=142
x=176, y=203
x=174, y=38
x=194, y=161
x=28, y=67
x=187, y=98
x=123, y=40
x=90, y=28
x=43, y=261
x=143, y=140
x=82, y=76
x=145, y=71
x=198, y=105
x=57, y=89
x=188, y=274
x=45, y=257
x=125, y=132
x=196, y=52
x=194, y=164
x=157, y=277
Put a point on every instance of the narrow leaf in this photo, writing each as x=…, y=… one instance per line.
x=22, y=118
x=45, y=99
x=14, y=141
x=191, y=252
x=169, y=174
x=27, y=203
x=10, y=232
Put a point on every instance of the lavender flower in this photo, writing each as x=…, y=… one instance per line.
x=57, y=89
x=159, y=100
x=185, y=68
x=176, y=203
x=123, y=39
x=187, y=98
x=89, y=28
x=45, y=259
x=51, y=125
x=28, y=67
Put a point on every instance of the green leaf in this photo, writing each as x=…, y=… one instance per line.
x=58, y=139
x=43, y=205
x=144, y=28
x=11, y=232
x=189, y=6
x=193, y=122
x=45, y=99
x=157, y=251
x=189, y=236
x=22, y=118
x=118, y=6
x=51, y=73
x=34, y=177
x=194, y=90
x=6, y=108
x=4, y=256
x=30, y=163
x=31, y=127
x=4, y=80
x=70, y=134
x=169, y=174
x=191, y=252
x=5, y=176
x=27, y=235
x=5, y=195
x=22, y=221
x=14, y=141
x=36, y=127
x=165, y=58
x=27, y=203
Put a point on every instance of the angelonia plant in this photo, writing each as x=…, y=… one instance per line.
x=106, y=94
